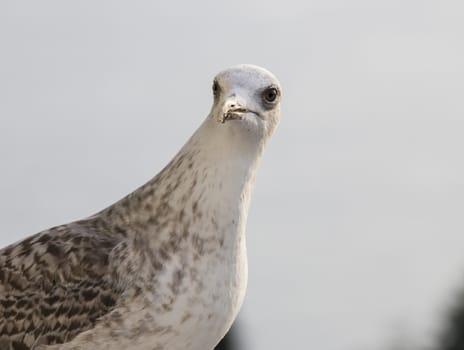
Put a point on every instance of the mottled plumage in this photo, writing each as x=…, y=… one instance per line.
x=165, y=267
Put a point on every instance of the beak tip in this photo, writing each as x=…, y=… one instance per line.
x=221, y=118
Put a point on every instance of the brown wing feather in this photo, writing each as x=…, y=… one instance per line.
x=56, y=284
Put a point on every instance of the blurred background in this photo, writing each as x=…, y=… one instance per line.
x=356, y=231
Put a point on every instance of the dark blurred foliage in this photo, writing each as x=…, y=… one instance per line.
x=452, y=336
x=230, y=341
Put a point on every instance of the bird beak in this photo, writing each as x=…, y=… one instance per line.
x=232, y=110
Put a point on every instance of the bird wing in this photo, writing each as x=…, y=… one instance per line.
x=56, y=284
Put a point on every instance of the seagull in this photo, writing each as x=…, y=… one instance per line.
x=164, y=268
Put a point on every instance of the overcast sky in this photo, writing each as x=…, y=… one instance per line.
x=356, y=230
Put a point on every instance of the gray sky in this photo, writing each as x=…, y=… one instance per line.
x=356, y=232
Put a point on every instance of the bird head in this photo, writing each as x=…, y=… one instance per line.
x=247, y=100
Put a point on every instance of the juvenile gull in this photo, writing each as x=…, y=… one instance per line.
x=164, y=268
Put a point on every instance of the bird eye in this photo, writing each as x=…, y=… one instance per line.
x=270, y=94
x=215, y=88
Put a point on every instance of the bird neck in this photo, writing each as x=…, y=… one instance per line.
x=209, y=181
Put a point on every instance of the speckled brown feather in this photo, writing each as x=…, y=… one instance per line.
x=62, y=281
x=53, y=285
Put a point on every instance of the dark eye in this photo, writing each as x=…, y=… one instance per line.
x=215, y=88
x=270, y=94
